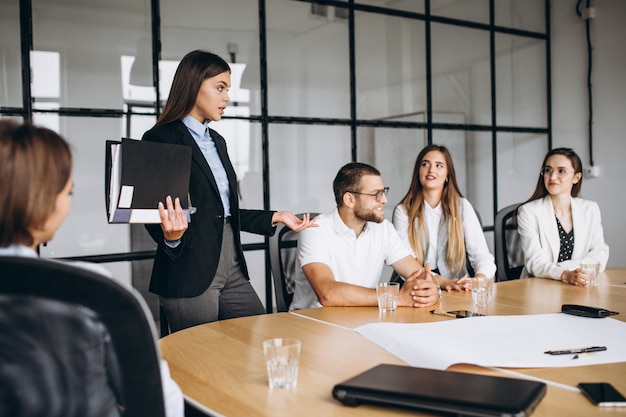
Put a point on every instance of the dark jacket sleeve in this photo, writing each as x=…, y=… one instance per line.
x=257, y=221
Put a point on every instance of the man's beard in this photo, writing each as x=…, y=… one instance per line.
x=369, y=215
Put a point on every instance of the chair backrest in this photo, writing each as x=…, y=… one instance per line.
x=124, y=314
x=508, y=246
x=283, y=254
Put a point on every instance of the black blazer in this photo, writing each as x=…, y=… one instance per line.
x=187, y=270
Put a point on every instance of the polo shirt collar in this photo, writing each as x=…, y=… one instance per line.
x=341, y=228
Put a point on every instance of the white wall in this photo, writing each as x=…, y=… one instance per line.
x=570, y=109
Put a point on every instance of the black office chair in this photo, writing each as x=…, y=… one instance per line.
x=124, y=314
x=508, y=245
x=283, y=253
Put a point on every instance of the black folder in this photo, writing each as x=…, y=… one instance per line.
x=140, y=174
x=444, y=392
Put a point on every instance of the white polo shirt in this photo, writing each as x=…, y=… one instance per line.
x=354, y=260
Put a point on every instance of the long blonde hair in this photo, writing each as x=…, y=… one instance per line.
x=413, y=202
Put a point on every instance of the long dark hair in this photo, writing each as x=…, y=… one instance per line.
x=413, y=201
x=193, y=69
x=540, y=189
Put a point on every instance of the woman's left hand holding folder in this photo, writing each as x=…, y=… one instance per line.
x=173, y=219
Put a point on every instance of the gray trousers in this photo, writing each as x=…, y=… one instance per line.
x=229, y=295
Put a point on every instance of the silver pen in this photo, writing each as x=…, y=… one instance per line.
x=576, y=350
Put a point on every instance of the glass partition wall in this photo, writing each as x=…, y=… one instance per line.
x=316, y=84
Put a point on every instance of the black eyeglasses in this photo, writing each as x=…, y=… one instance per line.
x=378, y=194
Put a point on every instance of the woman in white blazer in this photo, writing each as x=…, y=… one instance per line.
x=559, y=230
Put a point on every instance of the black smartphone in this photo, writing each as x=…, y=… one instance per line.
x=586, y=311
x=603, y=394
x=465, y=313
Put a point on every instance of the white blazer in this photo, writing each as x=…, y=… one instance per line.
x=540, y=237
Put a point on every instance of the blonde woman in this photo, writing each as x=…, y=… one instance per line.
x=439, y=225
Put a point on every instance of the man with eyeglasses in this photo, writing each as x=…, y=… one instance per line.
x=342, y=259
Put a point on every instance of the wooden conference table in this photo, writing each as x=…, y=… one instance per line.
x=220, y=367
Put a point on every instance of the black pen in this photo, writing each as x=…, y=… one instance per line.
x=577, y=350
x=445, y=313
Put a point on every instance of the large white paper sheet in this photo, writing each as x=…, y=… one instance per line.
x=501, y=341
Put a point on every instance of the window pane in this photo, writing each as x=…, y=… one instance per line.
x=519, y=161
x=91, y=69
x=471, y=154
x=10, y=56
x=308, y=62
x=226, y=28
x=46, y=75
x=243, y=140
x=390, y=66
x=138, y=123
x=304, y=160
x=472, y=10
x=94, y=55
x=255, y=260
x=16, y=119
x=480, y=175
x=522, y=14
x=393, y=152
x=85, y=231
x=461, y=73
x=416, y=6
x=521, y=84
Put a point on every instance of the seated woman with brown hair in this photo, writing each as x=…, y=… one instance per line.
x=35, y=198
x=558, y=229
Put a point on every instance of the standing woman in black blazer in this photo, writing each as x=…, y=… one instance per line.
x=200, y=272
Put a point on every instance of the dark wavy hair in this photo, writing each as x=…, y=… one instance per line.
x=192, y=70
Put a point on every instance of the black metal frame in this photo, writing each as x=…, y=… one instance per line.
x=265, y=119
